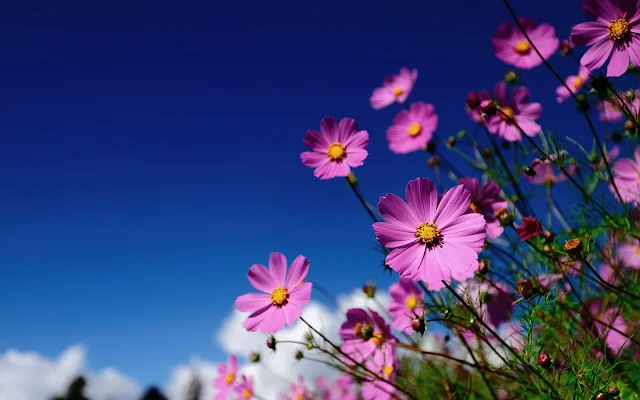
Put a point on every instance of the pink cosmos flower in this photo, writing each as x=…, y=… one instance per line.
x=430, y=241
x=340, y=389
x=545, y=172
x=337, y=149
x=575, y=83
x=629, y=254
x=486, y=200
x=366, y=336
x=475, y=112
x=412, y=129
x=617, y=106
x=298, y=391
x=406, y=304
x=627, y=178
x=529, y=229
x=284, y=294
x=396, y=88
x=512, y=47
x=376, y=389
x=226, y=380
x=513, y=113
x=492, y=300
x=613, y=35
x=616, y=339
x=244, y=389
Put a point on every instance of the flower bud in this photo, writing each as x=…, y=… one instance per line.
x=529, y=171
x=462, y=134
x=583, y=103
x=548, y=236
x=369, y=290
x=544, y=360
x=451, y=142
x=630, y=95
x=511, y=77
x=473, y=100
x=601, y=396
x=299, y=355
x=574, y=248
x=566, y=47
x=547, y=248
x=630, y=126
x=433, y=161
x=526, y=288
x=613, y=391
x=431, y=147
x=254, y=357
x=488, y=107
x=483, y=266
x=504, y=216
x=271, y=343
x=417, y=324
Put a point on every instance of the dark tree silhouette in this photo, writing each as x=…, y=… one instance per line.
x=75, y=390
x=153, y=393
x=194, y=392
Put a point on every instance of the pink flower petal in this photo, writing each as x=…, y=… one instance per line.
x=297, y=272
x=252, y=301
x=261, y=279
x=278, y=268
x=394, y=210
x=422, y=198
x=394, y=235
x=315, y=141
x=329, y=128
x=454, y=203
x=597, y=55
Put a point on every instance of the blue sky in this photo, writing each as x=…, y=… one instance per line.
x=149, y=154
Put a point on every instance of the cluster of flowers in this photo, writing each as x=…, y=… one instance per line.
x=433, y=240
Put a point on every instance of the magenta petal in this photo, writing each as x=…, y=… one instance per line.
x=275, y=322
x=393, y=209
x=313, y=159
x=500, y=91
x=454, y=203
x=329, y=128
x=588, y=33
x=252, y=301
x=315, y=141
x=261, y=279
x=301, y=295
x=406, y=260
x=634, y=53
x=393, y=235
x=256, y=320
x=278, y=267
x=433, y=272
x=422, y=198
x=346, y=128
x=291, y=313
x=297, y=272
x=332, y=169
x=381, y=98
x=619, y=62
x=597, y=55
x=358, y=140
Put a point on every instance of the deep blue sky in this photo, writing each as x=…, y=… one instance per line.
x=149, y=154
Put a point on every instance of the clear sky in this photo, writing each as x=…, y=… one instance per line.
x=149, y=154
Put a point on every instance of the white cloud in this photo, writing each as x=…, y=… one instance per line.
x=30, y=376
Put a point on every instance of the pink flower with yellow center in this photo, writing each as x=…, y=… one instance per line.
x=431, y=241
x=244, y=390
x=367, y=337
x=493, y=301
x=574, y=82
x=377, y=389
x=515, y=114
x=395, y=88
x=406, y=304
x=284, y=294
x=612, y=36
x=627, y=178
x=412, y=129
x=340, y=147
x=486, y=200
x=512, y=47
x=226, y=380
x=298, y=391
x=544, y=171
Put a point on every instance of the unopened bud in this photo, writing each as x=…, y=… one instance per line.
x=544, y=360
x=451, y=141
x=574, y=247
x=630, y=95
x=473, y=100
x=299, y=355
x=511, y=78
x=504, y=216
x=483, y=266
x=488, y=107
x=433, y=161
x=613, y=391
x=630, y=126
x=601, y=396
x=547, y=248
x=548, y=236
x=369, y=290
x=271, y=343
x=462, y=134
x=583, y=102
x=254, y=357
x=417, y=324
x=566, y=47
x=526, y=288
x=529, y=171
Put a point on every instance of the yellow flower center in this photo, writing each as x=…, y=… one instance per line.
x=522, y=47
x=618, y=29
x=577, y=84
x=429, y=235
x=398, y=91
x=387, y=371
x=336, y=152
x=246, y=394
x=411, y=302
x=506, y=113
x=279, y=296
x=230, y=378
x=473, y=207
x=377, y=339
x=299, y=396
x=357, y=330
x=415, y=129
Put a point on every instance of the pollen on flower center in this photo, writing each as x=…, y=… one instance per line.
x=522, y=47
x=336, y=152
x=280, y=296
x=577, y=83
x=398, y=91
x=429, y=235
x=299, y=396
x=618, y=29
x=377, y=339
x=387, y=371
x=411, y=302
x=230, y=378
x=246, y=394
x=415, y=129
x=474, y=207
x=506, y=113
